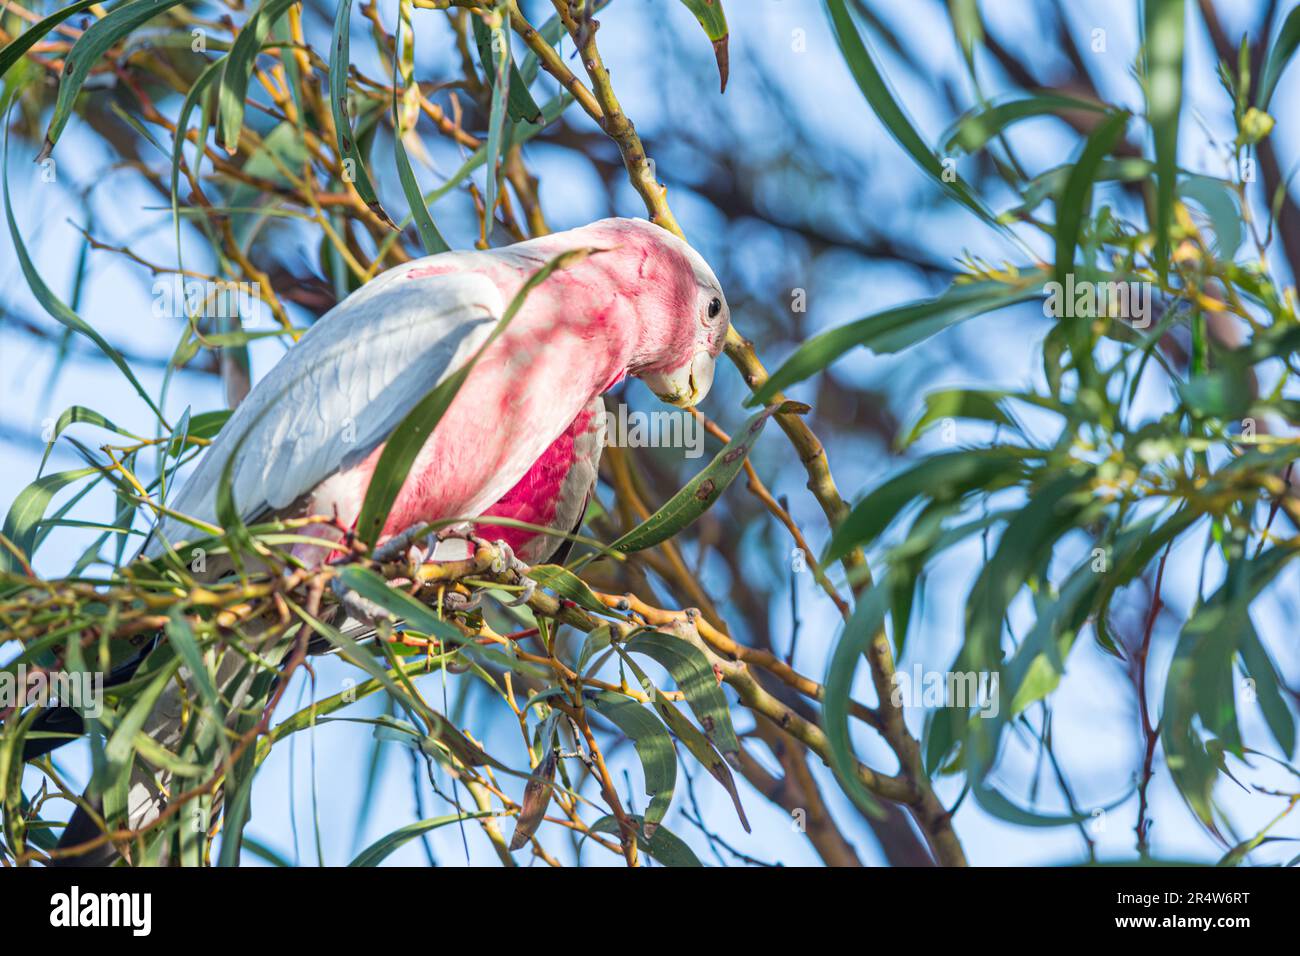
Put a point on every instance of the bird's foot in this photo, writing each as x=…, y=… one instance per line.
x=455, y=601
x=508, y=562
x=504, y=562
x=451, y=544
x=419, y=546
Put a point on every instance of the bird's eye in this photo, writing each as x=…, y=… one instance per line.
x=714, y=308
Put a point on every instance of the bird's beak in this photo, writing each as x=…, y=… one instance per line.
x=685, y=386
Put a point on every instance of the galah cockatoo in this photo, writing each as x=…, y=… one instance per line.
x=521, y=439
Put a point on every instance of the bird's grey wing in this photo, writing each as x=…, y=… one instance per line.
x=338, y=393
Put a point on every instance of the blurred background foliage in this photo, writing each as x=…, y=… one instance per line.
x=1095, y=506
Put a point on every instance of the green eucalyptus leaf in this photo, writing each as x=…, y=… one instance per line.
x=16, y=48
x=1072, y=206
x=654, y=747
x=385, y=846
x=1279, y=57
x=1163, y=27
x=714, y=21
x=22, y=523
x=975, y=128
x=890, y=113
x=86, y=52
x=239, y=68
x=698, y=495
x=894, y=329
x=664, y=846
x=354, y=163
x=694, y=676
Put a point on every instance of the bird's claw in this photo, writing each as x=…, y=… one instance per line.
x=463, y=530
x=526, y=594
x=456, y=601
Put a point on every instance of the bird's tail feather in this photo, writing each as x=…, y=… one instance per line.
x=147, y=795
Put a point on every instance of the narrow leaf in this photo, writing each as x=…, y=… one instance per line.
x=567, y=585
x=886, y=107
x=384, y=847
x=894, y=330
x=685, y=731
x=1279, y=57
x=699, y=494
x=239, y=68
x=654, y=747
x=430, y=238
x=519, y=102
x=664, y=846
x=48, y=300
x=85, y=53
x=17, y=47
x=1072, y=206
x=714, y=21
x=694, y=677
x=1163, y=24
x=974, y=129
x=23, y=520
x=354, y=166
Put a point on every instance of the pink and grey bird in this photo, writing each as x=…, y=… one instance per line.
x=520, y=441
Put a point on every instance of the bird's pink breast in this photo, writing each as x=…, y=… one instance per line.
x=536, y=497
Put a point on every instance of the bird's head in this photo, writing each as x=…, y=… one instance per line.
x=683, y=312
x=686, y=382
